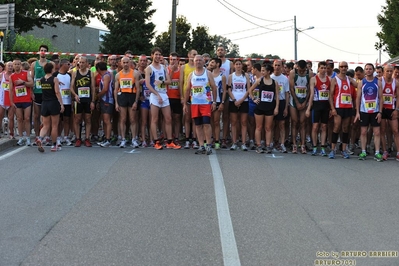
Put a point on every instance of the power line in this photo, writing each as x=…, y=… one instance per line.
x=255, y=35
x=248, y=29
x=255, y=16
x=260, y=26
x=333, y=46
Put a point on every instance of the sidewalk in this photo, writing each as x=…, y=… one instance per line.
x=6, y=142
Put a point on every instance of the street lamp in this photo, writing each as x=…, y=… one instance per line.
x=296, y=31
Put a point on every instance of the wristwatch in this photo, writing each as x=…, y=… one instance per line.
x=234, y=100
x=222, y=102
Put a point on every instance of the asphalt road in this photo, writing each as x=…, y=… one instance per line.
x=95, y=206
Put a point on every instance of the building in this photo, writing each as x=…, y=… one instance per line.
x=68, y=38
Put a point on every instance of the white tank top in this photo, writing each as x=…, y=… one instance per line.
x=200, y=89
x=65, y=83
x=238, y=86
x=160, y=75
x=3, y=80
x=225, y=68
x=219, y=89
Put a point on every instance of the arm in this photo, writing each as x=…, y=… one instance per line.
x=187, y=94
x=72, y=87
x=138, y=89
x=247, y=88
x=11, y=94
x=291, y=78
x=277, y=95
x=116, y=89
x=29, y=83
x=181, y=83
x=251, y=89
x=358, y=95
x=93, y=91
x=331, y=98
x=221, y=106
x=214, y=89
x=106, y=82
x=229, y=88
x=312, y=84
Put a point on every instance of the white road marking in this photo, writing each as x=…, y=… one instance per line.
x=11, y=153
x=274, y=156
x=228, y=241
x=132, y=151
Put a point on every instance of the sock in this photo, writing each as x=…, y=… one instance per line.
x=364, y=151
x=169, y=141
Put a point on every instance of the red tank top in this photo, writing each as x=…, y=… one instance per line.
x=173, y=90
x=21, y=93
x=323, y=89
x=5, y=84
x=388, y=94
x=343, y=93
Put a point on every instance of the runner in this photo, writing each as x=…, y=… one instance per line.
x=390, y=110
x=21, y=96
x=52, y=106
x=156, y=79
x=369, y=110
x=145, y=103
x=267, y=106
x=342, y=95
x=203, y=91
x=127, y=91
x=319, y=106
x=5, y=86
x=238, y=85
x=220, y=82
x=83, y=92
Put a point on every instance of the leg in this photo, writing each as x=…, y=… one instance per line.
x=268, y=120
x=294, y=123
x=244, y=122
x=233, y=120
x=88, y=125
x=259, y=119
x=36, y=118
x=54, y=127
x=122, y=121
x=154, y=121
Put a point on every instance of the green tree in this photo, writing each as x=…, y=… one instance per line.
x=255, y=55
x=29, y=14
x=183, y=38
x=129, y=26
x=201, y=40
x=232, y=50
x=389, y=34
x=27, y=43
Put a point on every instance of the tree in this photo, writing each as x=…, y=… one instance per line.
x=183, y=39
x=254, y=55
x=129, y=27
x=27, y=43
x=201, y=40
x=389, y=34
x=29, y=14
x=232, y=50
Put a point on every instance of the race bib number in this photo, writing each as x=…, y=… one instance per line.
x=161, y=87
x=281, y=88
x=84, y=92
x=147, y=94
x=198, y=90
x=239, y=87
x=267, y=96
x=370, y=105
x=174, y=85
x=38, y=84
x=21, y=91
x=65, y=93
x=256, y=93
x=126, y=83
x=346, y=98
x=324, y=95
x=5, y=86
x=388, y=99
x=300, y=91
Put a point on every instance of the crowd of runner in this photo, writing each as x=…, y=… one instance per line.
x=202, y=103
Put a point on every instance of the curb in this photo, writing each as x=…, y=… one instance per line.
x=7, y=144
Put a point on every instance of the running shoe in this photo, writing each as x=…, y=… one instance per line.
x=378, y=157
x=217, y=146
x=144, y=144
x=331, y=155
x=208, y=150
x=187, y=146
x=294, y=149
x=252, y=145
x=345, y=154
x=244, y=148
x=87, y=143
x=314, y=151
x=200, y=150
x=21, y=142
x=172, y=145
x=134, y=143
x=158, y=145
x=351, y=149
x=323, y=152
x=397, y=157
x=385, y=156
x=259, y=149
x=195, y=145
x=283, y=149
x=27, y=143
x=152, y=144
x=269, y=149
x=68, y=142
x=53, y=148
x=224, y=144
x=303, y=149
x=233, y=147
x=78, y=143
x=105, y=144
x=122, y=144
x=362, y=156
x=39, y=145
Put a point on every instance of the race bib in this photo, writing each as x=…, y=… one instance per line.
x=256, y=94
x=267, y=96
x=6, y=86
x=38, y=84
x=324, y=95
x=239, y=87
x=161, y=87
x=147, y=94
x=126, y=83
x=21, y=91
x=346, y=98
x=388, y=99
x=281, y=88
x=65, y=93
x=198, y=90
x=174, y=85
x=300, y=91
x=84, y=92
x=370, y=105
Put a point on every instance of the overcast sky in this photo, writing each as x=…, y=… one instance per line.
x=343, y=30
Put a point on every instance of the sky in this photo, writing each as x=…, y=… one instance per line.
x=344, y=30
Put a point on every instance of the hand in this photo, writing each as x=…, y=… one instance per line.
x=160, y=101
x=117, y=108
x=185, y=108
x=77, y=99
x=307, y=113
x=285, y=112
x=257, y=101
x=333, y=112
x=19, y=81
x=276, y=111
x=357, y=117
x=221, y=106
x=134, y=106
x=237, y=103
x=378, y=117
x=213, y=107
x=62, y=108
x=92, y=106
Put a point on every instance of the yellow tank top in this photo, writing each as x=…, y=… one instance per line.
x=126, y=82
x=187, y=71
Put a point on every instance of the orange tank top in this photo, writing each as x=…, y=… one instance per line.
x=173, y=89
x=126, y=82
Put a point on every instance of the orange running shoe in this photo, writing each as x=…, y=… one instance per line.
x=173, y=146
x=158, y=145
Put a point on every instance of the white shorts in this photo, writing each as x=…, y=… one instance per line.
x=154, y=100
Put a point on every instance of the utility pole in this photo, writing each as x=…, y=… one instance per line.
x=173, y=33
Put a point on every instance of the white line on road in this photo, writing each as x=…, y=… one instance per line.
x=11, y=153
x=228, y=241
